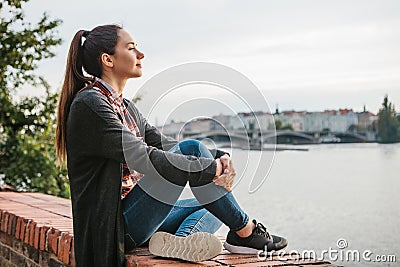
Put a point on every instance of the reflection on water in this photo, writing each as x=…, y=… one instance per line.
x=316, y=197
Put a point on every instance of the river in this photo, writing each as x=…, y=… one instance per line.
x=330, y=192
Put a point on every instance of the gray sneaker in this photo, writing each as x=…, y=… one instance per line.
x=196, y=247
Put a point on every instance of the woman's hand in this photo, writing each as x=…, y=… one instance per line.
x=226, y=178
x=225, y=160
x=220, y=169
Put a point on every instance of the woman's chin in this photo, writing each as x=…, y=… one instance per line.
x=137, y=74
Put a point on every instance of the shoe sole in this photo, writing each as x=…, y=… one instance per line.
x=240, y=250
x=246, y=250
x=196, y=247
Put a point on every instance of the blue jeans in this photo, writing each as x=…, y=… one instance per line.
x=144, y=214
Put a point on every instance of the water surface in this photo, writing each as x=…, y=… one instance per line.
x=334, y=191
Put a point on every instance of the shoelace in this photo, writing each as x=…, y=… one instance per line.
x=262, y=230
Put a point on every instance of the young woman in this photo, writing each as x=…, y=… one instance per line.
x=126, y=177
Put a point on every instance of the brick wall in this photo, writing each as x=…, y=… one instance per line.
x=35, y=230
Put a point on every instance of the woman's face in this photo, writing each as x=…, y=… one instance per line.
x=127, y=59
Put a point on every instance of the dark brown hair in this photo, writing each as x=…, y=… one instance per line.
x=82, y=57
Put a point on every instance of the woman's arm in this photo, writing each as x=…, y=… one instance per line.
x=152, y=136
x=95, y=130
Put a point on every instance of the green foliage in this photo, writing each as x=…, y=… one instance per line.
x=27, y=126
x=388, y=124
x=287, y=127
x=279, y=126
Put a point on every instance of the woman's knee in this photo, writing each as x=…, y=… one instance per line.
x=195, y=148
x=190, y=147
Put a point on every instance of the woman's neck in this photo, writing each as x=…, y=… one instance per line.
x=117, y=84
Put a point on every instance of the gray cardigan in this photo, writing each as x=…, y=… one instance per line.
x=97, y=142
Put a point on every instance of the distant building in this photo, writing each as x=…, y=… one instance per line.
x=365, y=120
x=332, y=120
x=197, y=126
x=236, y=122
x=173, y=129
x=256, y=121
x=351, y=118
x=221, y=122
x=266, y=121
x=293, y=118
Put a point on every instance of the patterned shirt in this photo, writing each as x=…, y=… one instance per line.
x=129, y=177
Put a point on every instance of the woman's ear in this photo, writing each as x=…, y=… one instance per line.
x=106, y=60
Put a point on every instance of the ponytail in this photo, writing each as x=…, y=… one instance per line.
x=86, y=57
x=74, y=81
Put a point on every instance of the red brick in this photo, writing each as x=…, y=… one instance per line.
x=36, y=236
x=1, y=220
x=72, y=255
x=228, y=256
x=238, y=261
x=11, y=218
x=52, y=240
x=307, y=261
x=43, y=237
x=64, y=247
x=18, y=227
x=150, y=261
x=32, y=227
x=60, y=252
x=52, y=216
x=23, y=228
x=26, y=235
x=267, y=263
x=4, y=221
x=164, y=262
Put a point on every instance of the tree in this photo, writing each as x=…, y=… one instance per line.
x=27, y=126
x=388, y=125
x=279, y=126
x=288, y=127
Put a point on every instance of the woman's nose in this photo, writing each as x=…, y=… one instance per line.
x=139, y=54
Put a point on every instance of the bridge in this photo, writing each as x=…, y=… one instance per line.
x=223, y=138
x=246, y=139
x=289, y=137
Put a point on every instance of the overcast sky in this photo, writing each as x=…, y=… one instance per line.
x=302, y=55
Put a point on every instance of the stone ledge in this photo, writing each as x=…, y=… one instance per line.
x=36, y=230
x=142, y=257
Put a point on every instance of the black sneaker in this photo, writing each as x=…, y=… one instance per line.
x=260, y=239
